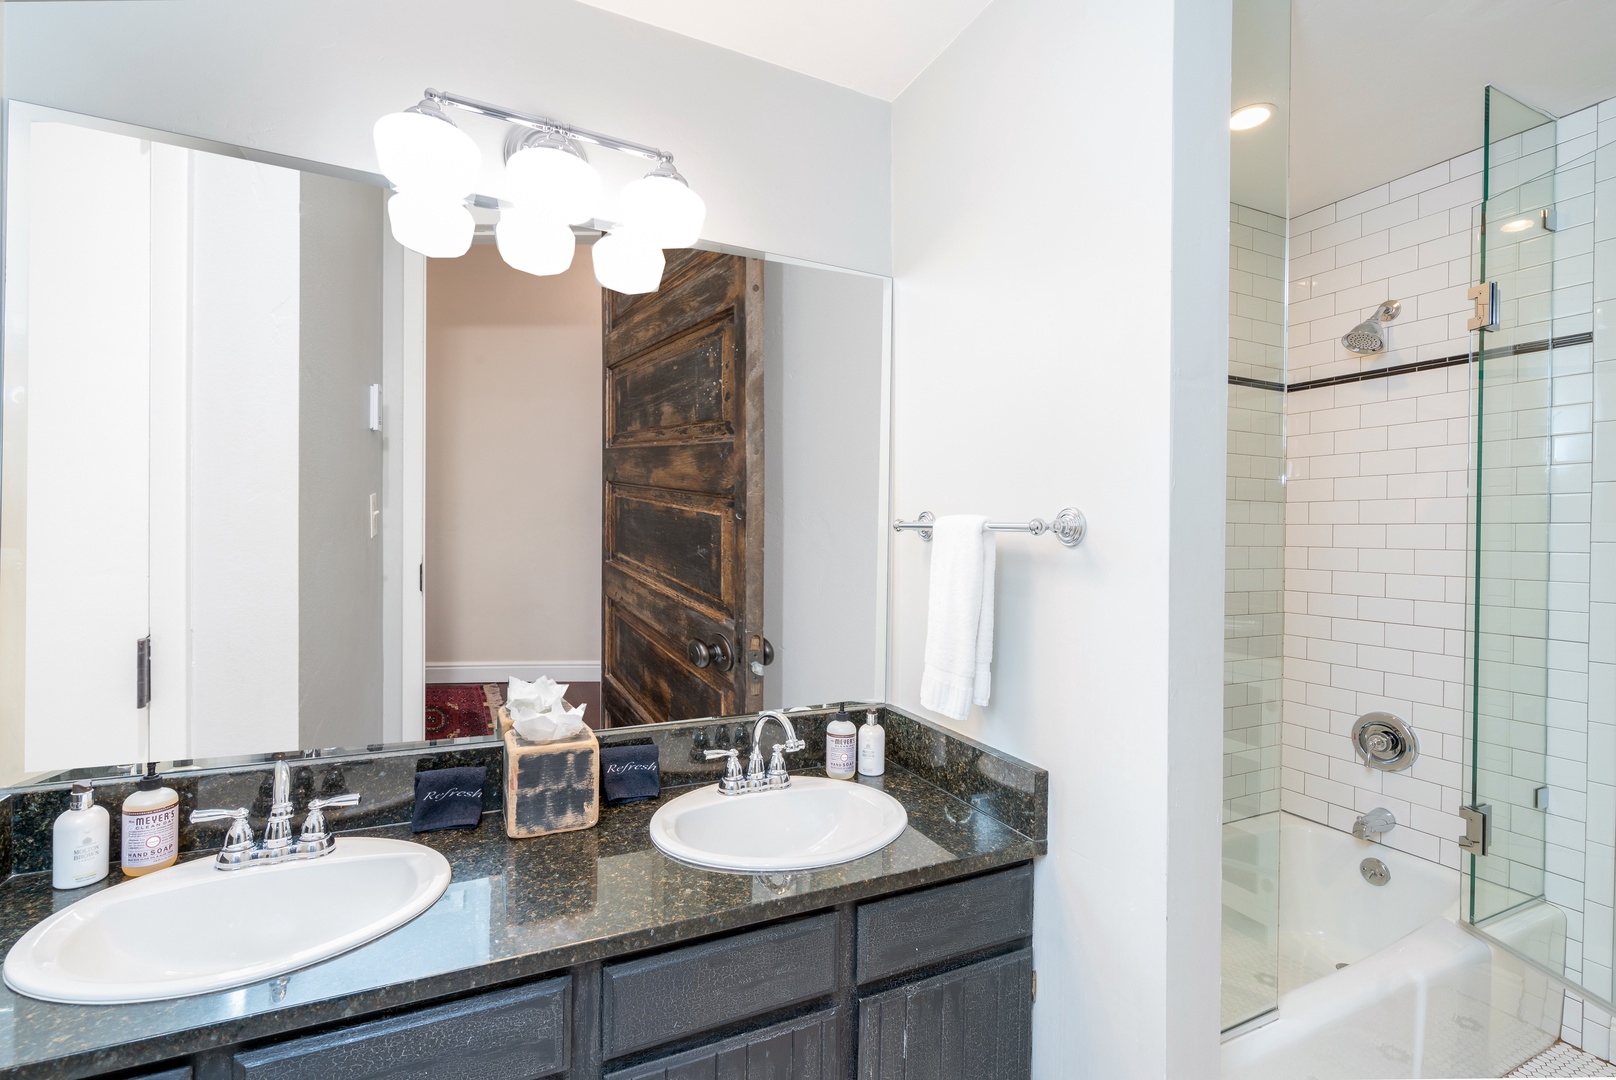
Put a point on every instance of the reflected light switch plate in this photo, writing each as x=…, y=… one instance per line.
x=374, y=513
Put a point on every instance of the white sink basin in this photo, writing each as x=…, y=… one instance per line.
x=814, y=822
x=192, y=928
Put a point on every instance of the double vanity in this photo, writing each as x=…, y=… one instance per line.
x=583, y=954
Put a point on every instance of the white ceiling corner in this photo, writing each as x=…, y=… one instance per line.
x=875, y=47
x=1384, y=88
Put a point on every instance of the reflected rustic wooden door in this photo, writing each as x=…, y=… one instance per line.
x=682, y=558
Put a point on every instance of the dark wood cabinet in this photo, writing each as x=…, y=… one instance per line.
x=933, y=984
x=811, y=1048
x=973, y=1023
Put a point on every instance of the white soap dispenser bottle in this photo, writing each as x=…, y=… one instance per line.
x=872, y=747
x=79, y=842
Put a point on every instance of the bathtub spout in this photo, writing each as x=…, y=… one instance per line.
x=1370, y=825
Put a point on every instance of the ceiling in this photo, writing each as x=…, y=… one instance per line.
x=1383, y=88
x=876, y=47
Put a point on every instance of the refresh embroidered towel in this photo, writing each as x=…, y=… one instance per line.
x=629, y=773
x=959, y=617
x=448, y=798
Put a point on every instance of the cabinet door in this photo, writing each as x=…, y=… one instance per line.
x=971, y=1024
x=809, y=1048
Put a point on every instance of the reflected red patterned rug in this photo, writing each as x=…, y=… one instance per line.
x=462, y=710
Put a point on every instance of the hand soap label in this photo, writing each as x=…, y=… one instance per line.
x=151, y=838
x=839, y=750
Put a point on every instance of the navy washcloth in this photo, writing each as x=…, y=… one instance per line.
x=629, y=773
x=448, y=798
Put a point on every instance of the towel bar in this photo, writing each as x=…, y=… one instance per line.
x=1069, y=526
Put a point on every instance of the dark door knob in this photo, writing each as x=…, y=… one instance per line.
x=715, y=653
x=768, y=652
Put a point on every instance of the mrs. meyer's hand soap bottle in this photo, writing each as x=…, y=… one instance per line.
x=841, y=746
x=151, y=826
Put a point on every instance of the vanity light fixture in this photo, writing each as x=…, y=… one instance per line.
x=1249, y=116
x=434, y=166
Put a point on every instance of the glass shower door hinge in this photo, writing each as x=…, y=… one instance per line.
x=1485, y=298
x=1478, y=822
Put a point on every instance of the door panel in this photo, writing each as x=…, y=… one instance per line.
x=682, y=546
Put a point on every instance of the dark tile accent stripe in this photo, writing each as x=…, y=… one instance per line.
x=1381, y=373
x=1545, y=344
x=1258, y=384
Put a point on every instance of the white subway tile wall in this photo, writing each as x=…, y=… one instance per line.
x=1378, y=518
x=1375, y=534
x=1254, y=572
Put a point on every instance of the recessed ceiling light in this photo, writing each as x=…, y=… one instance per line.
x=1518, y=225
x=1249, y=116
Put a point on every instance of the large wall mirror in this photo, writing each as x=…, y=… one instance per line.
x=271, y=483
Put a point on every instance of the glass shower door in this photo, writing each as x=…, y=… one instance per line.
x=1511, y=517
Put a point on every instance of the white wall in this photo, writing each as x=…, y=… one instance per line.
x=244, y=457
x=1060, y=326
x=514, y=416
x=309, y=78
x=825, y=529
x=83, y=502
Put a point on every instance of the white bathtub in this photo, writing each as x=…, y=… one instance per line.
x=1378, y=981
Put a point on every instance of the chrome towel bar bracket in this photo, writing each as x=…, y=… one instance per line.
x=1069, y=526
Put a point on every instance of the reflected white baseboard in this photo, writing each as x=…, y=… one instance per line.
x=472, y=671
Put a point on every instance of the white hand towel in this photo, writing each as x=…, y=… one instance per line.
x=959, y=617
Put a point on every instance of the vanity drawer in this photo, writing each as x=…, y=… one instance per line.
x=909, y=932
x=684, y=992
x=509, y=1033
x=182, y=1073
x=808, y=1048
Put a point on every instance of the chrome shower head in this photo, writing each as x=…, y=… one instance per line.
x=1369, y=336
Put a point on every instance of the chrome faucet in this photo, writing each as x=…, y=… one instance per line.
x=1370, y=825
x=776, y=778
x=314, y=840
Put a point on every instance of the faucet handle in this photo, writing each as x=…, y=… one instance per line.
x=240, y=835
x=314, y=824
x=778, y=777
x=734, y=782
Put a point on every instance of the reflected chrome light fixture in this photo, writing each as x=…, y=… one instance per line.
x=627, y=262
x=534, y=243
x=1369, y=336
x=1249, y=116
x=434, y=166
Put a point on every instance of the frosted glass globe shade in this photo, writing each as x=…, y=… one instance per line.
x=663, y=210
x=534, y=244
x=627, y=263
x=437, y=226
x=426, y=154
x=551, y=182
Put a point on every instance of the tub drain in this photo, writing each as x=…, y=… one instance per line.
x=1342, y=964
x=1374, y=871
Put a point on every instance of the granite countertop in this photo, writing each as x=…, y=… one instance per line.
x=515, y=908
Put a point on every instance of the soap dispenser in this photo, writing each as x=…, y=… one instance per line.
x=841, y=740
x=151, y=826
x=79, y=841
x=872, y=746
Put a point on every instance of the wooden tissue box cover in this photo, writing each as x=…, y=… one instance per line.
x=550, y=787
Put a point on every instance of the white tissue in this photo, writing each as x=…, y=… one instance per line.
x=539, y=712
